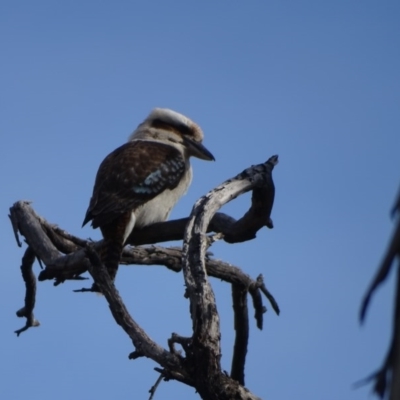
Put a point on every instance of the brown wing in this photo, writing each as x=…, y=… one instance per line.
x=130, y=176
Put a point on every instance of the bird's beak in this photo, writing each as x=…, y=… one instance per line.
x=196, y=149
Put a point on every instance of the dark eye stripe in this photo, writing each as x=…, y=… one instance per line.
x=173, y=126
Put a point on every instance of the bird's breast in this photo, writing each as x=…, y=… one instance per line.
x=159, y=208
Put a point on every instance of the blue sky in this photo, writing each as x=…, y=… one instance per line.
x=316, y=82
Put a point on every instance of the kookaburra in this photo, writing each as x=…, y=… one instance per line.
x=140, y=182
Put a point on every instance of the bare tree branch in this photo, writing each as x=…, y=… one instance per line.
x=49, y=242
x=206, y=330
x=144, y=345
x=153, y=389
x=383, y=270
x=67, y=257
x=241, y=325
x=30, y=284
x=388, y=376
x=172, y=259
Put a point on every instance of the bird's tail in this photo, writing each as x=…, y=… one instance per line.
x=110, y=254
x=113, y=243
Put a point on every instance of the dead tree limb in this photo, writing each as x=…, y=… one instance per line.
x=172, y=259
x=67, y=257
x=241, y=325
x=144, y=345
x=30, y=284
x=210, y=381
x=387, y=378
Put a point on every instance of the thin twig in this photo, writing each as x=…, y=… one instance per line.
x=383, y=270
x=153, y=389
x=268, y=294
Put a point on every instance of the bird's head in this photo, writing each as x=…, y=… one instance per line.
x=175, y=129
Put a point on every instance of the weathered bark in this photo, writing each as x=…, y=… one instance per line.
x=30, y=285
x=241, y=325
x=206, y=353
x=144, y=345
x=67, y=257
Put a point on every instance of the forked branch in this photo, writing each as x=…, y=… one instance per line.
x=67, y=257
x=206, y=330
